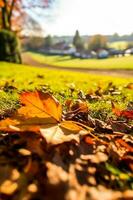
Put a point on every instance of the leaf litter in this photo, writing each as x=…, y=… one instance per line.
x=48, y=152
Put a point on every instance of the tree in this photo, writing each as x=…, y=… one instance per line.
x=97, y=42
x=129, y=45
x=48, y=42
x=10, y=11
x=9, y=47
x=77, y=42
x=14, y=12
x=33, y=43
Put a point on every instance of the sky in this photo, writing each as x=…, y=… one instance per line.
x=88, y=16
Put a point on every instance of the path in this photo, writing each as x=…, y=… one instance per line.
x=117, y=72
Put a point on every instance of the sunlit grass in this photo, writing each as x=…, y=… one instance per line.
x=23, y=77
x=67, y=61
x=118, y=45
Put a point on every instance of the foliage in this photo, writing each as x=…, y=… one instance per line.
x=13, y=15
x=97, y=42
x=9, y=47
x=10, y=12
x=13, y=12
x=130, y=45
x=34, y=43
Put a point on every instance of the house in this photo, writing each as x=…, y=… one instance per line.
x=114, y=52
x=129, y=52
x=102, y=53
x=61, y=48
x=85, y=54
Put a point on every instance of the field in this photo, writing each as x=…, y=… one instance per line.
x=60, y=83
x=118, y=45
x=67, y=61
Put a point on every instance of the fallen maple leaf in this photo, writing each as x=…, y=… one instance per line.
x=39, y=104
x=122, y=113
x=37, y=109
x=41, y=113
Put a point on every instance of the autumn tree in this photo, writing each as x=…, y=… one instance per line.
x=13, y=14
x=97, y=42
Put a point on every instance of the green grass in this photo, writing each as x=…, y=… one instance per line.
x=67, y=61
x=60, y=83
x=118, y=45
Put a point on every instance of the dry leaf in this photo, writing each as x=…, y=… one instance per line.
x=122, y=113
x=64, y=132
x=130, y=86
x=38, y=109
x=39, y=104
x=79, y=106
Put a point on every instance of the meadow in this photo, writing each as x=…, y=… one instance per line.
x=64, y=85
x=67, y=61
x=118, y=45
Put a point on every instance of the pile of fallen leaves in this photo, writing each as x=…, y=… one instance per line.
x=49, y=152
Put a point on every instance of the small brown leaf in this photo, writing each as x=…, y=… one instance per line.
x=130, y=86
x=122, y=113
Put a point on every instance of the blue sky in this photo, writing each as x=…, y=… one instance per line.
x=88, y=16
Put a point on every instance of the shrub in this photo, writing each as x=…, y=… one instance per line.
x=9, y=47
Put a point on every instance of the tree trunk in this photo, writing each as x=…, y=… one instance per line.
x=5, y=24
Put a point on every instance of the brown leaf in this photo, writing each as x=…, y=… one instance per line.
x=101, y=126
x=64, y=132
x=130, y=86
x=79, y=106
x=122, y=143
x=122, y=113
x=120, y=126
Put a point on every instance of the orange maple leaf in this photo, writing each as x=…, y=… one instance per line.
x=122, y=113
x=39, y=104
x=42, y=113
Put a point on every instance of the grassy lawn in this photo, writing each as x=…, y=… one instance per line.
x=67, y=61
x=16, y=78
x=118, y=45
